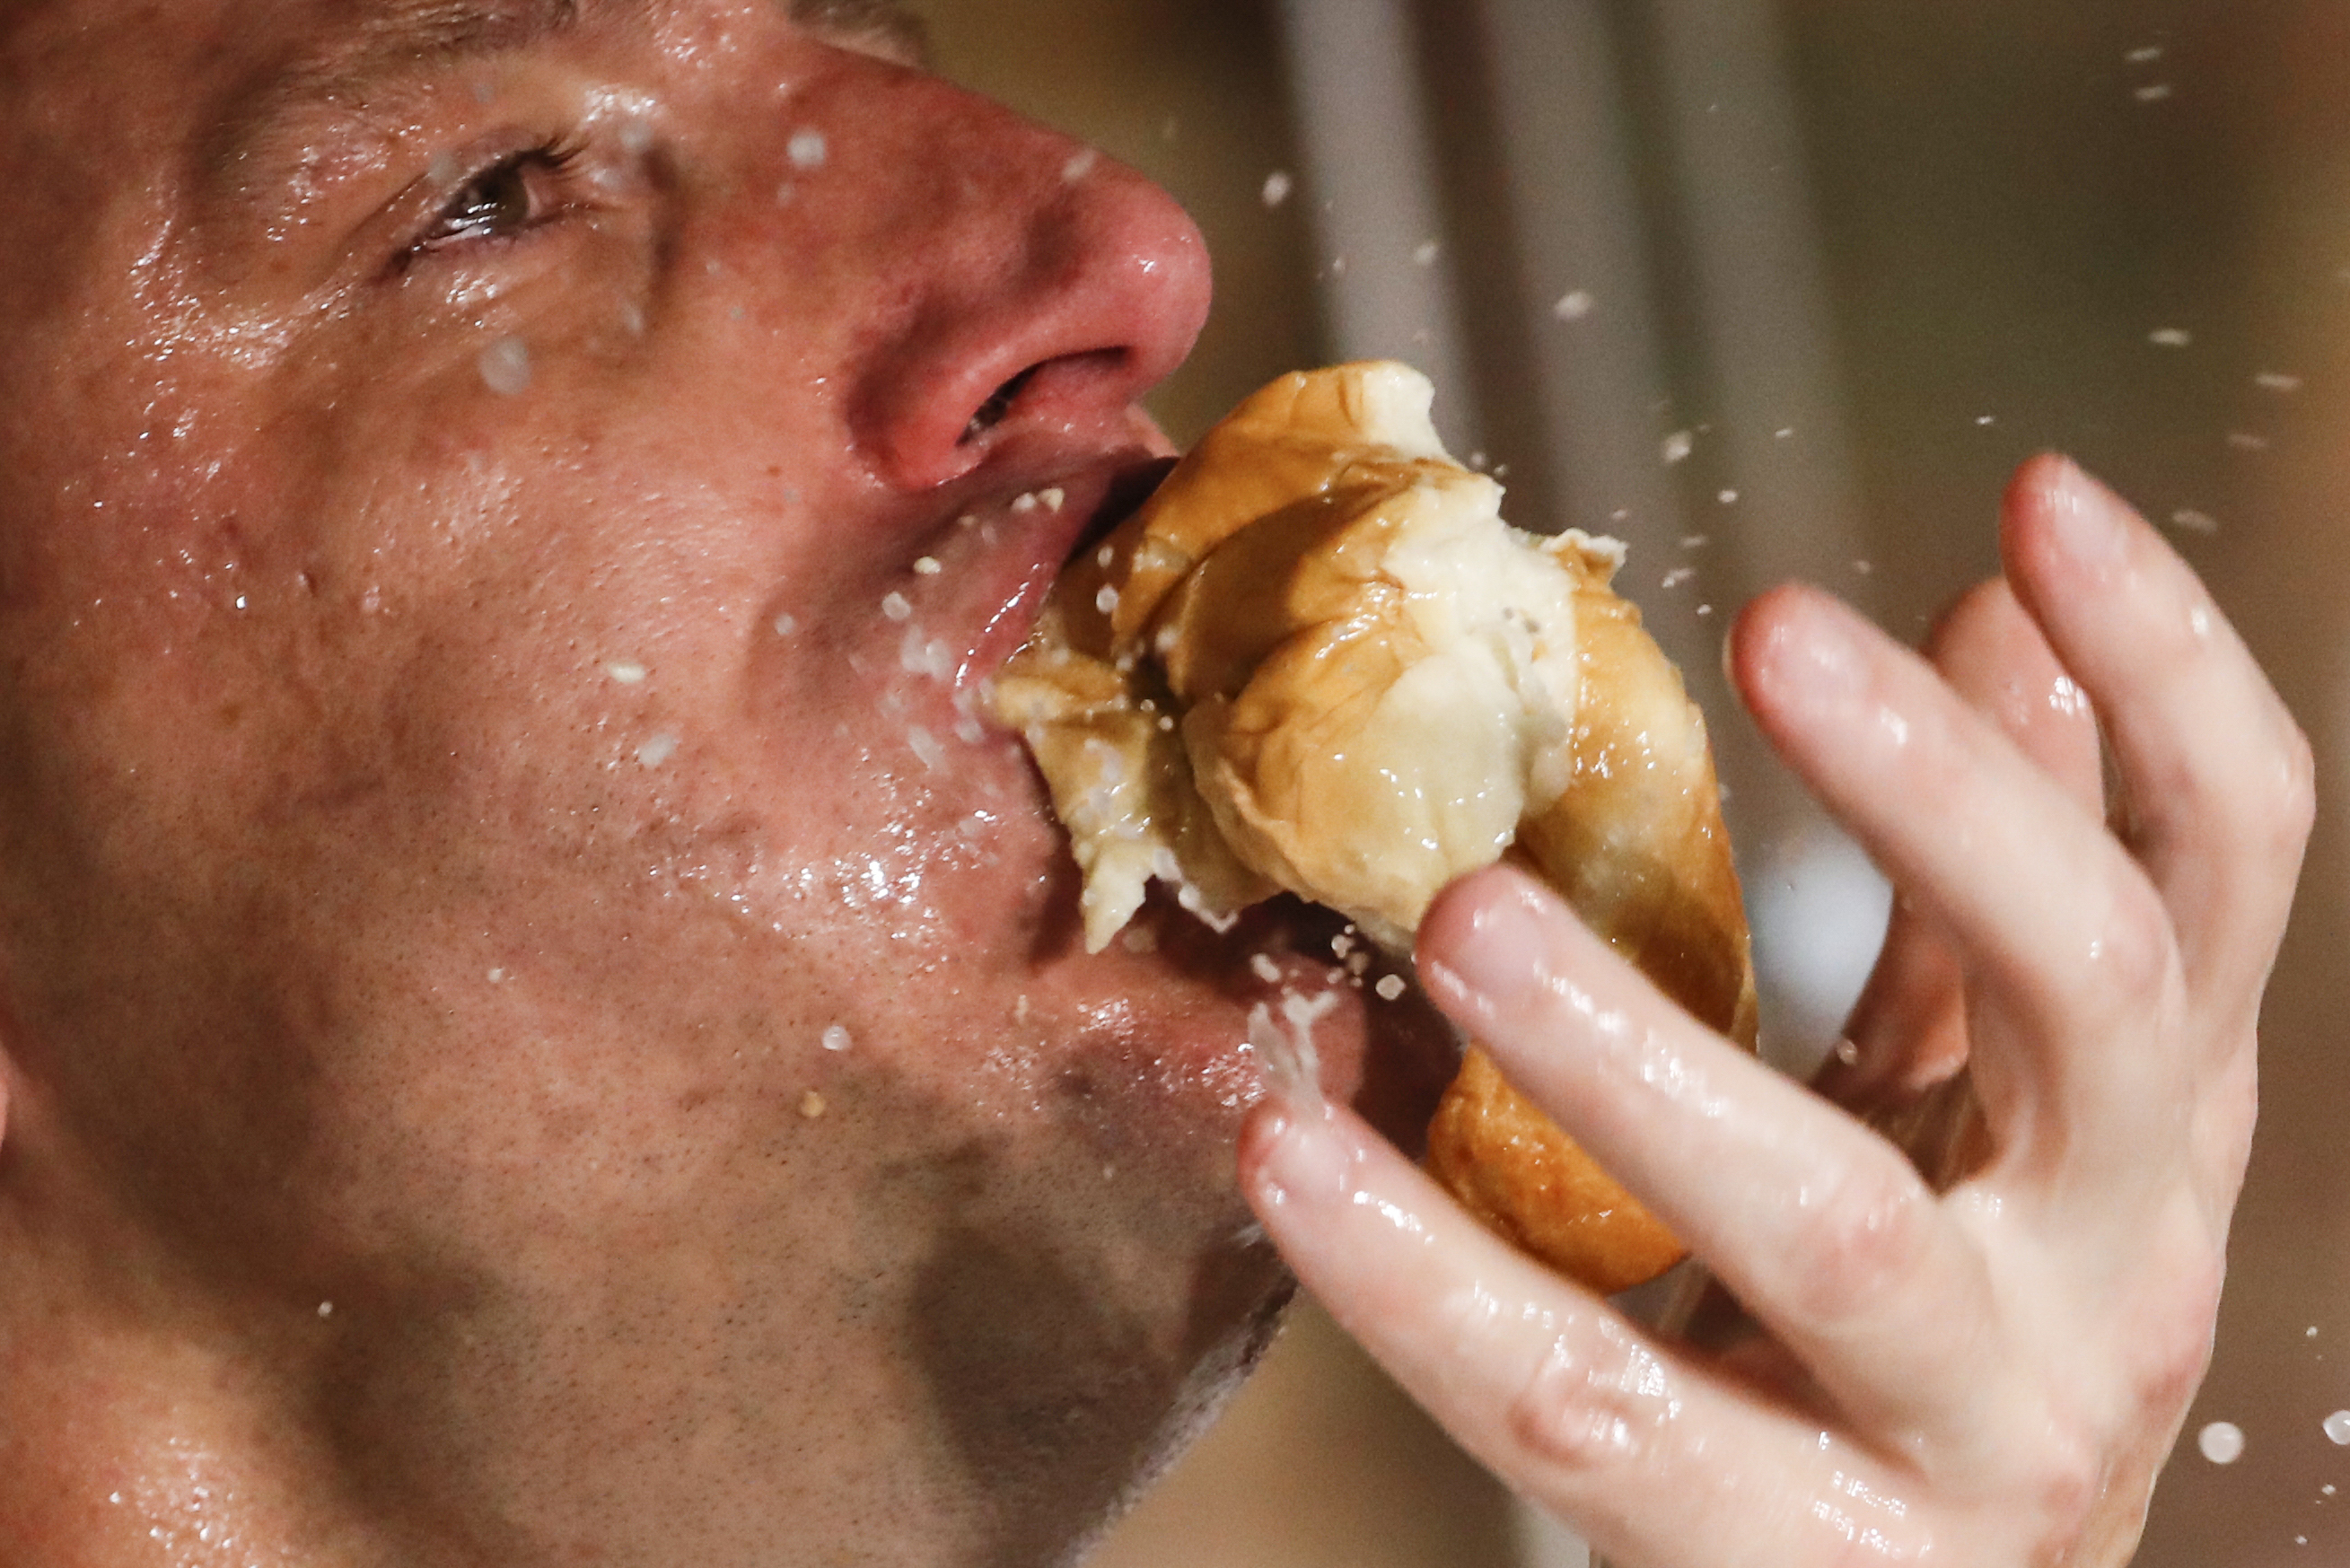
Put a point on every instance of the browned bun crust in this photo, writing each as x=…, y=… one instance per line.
x=1637, y=846
x=1318, y=660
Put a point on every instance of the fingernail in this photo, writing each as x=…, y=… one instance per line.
x=1820, y=658
x=1503, y=954
x=2089, y=519
x=1303, y=1154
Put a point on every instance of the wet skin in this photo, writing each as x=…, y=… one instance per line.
x=456, y=764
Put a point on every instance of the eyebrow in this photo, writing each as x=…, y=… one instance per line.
x=409, y=35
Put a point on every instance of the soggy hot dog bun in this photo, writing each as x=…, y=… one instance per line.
x=1318, y=660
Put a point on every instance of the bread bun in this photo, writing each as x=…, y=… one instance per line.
x=1318, y=660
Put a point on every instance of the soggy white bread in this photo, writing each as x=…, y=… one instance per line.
x=1318, y=660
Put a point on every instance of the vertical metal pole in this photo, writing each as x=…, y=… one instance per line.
x=1779, y=444
x=1372, y=175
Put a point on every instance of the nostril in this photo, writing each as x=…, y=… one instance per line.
x=998, y=407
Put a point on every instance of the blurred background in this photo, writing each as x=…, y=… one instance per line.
x=1774, y=288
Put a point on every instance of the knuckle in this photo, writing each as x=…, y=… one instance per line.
x=2295, y=809
x=1577, y=1417
x=2068, y=1483
x=2169, y=1344
x=1863, y=1245
x=2134, y=949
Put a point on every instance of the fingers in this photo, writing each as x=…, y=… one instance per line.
x=1907, y=1031
x=1822, y=1229
x=2066, y=941
x=1995, y=657
x=1661, y=1463
x=2215, y=774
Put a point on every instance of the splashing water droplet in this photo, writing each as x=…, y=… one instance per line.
x=1278, y=186
x=808, y=149
x=2337, y=1428
x=2222, y=1442
x=505, y=367
x=1574, y=306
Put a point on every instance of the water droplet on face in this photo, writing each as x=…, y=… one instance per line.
x=1079, y=165
x=808, y=149
x=1278, y=186
x=787, y=624
x=927, y=748
x=928, y=566
x=812, y=1107
x=836, y=1038
x=637, y=138
x=505, y=367
x=897, y=607
x=1574, y=306
x=657, y=751
x=2222, y=1442
x=626, y=671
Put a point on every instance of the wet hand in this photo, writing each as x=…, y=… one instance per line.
x=1989, y=1373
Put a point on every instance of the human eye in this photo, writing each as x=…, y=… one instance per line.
x=519, y=193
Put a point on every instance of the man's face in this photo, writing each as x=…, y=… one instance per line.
x=508, y=514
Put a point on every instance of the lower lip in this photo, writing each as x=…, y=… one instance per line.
x=1029, y=577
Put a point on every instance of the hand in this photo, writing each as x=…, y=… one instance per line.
x=1990, y=1376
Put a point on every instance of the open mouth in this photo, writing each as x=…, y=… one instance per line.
x=1124, y=498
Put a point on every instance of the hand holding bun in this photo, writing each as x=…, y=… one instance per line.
x=1318, y=660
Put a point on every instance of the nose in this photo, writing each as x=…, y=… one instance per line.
x=1033, y=285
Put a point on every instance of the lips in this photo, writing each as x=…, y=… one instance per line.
x=1012, y=543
